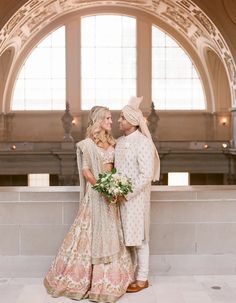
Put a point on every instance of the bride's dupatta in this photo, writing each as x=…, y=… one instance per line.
x=106, y=228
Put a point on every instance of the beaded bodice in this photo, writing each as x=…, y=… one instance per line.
x=107, y=155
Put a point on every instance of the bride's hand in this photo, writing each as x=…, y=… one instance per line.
x=105, y=197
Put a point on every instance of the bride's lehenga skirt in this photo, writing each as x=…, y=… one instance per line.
x=72, y=273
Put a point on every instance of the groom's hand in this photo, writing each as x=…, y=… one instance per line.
x=120, y=199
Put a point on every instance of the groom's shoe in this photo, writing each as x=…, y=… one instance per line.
x=135, y=287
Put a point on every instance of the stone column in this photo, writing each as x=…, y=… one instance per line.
x=68, y=165
x=144, y=63
x=6, y=126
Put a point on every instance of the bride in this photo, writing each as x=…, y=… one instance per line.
x=93, y=261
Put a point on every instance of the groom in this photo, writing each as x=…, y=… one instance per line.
x=137, y=158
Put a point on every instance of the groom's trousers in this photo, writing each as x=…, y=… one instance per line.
x=143, y=261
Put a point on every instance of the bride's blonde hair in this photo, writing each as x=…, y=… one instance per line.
x=94, y=131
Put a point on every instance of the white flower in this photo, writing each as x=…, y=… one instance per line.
x=113, y=184
x=116, y=191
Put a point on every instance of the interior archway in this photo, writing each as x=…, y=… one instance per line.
x=219, y=81
x=185, y=16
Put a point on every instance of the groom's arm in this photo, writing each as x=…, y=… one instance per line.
x=145, y=159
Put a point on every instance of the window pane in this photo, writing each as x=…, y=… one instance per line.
x=38, y=180
x=178, y=179
x=159, y=39
x=128, y=32
x=108, y=60
x=40, y=84
x=175, y=81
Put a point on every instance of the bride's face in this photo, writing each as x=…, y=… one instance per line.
x=107, y=122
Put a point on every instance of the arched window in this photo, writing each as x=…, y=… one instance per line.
x=40, y=84
x=175, y=82
x=105, y=52
x=108, y=60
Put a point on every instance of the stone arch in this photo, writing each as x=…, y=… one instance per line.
x=219, y=80
x=183, y=15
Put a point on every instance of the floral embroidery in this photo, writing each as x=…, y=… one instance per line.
x=71, y=272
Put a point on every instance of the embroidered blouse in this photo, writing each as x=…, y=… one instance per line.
x=107, y=156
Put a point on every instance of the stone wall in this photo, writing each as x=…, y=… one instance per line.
x=192, y=229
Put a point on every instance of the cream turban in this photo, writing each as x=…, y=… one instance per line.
x=134, y=116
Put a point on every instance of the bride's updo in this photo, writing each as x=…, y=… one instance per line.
x=94, y=131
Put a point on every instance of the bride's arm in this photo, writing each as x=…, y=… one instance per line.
x=86, y=168
x=88, y=176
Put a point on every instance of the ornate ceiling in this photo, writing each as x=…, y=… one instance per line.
x=183, y=15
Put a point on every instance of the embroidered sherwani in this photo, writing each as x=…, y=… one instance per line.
x=134, y=156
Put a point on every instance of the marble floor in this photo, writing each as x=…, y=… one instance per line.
x=163, y=289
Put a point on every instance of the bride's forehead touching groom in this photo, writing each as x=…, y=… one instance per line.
x=137, y=158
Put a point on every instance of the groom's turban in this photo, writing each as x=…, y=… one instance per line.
x=134, y=116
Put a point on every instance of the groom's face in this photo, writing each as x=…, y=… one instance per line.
x=123, y=123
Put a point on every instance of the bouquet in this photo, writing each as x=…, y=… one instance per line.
x=113, y=184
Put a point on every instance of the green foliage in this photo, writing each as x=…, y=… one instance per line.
x=112, y=184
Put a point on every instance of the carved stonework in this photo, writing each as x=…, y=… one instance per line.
x=194, y=40
x=220, y=43
x=204, y=21
x=184, y=15
x=178, y=18
x=185, y=4
x=152, y=121
x=231, y=68
x=67, y=124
